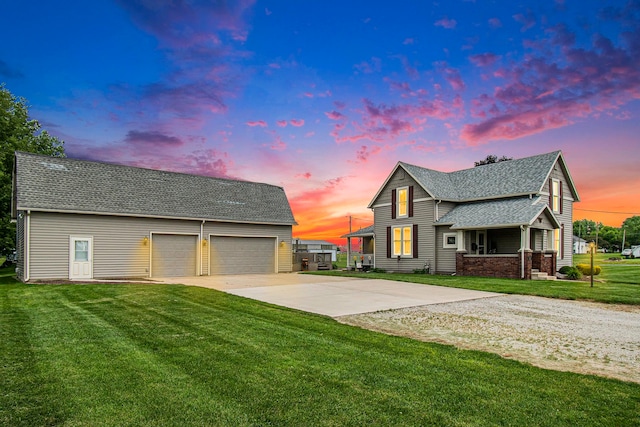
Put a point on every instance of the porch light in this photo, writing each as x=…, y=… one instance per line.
x=282, y=243
x=145, y=240
x=204, y=242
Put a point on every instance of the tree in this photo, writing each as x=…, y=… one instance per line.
x=632, y=227
x=18, y=133
x=492, y=159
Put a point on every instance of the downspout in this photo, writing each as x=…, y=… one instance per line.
x=27, y=246
x=522, y=242
x=435, y=238
x=201, y=244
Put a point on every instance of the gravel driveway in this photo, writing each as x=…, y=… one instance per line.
x=590, y=338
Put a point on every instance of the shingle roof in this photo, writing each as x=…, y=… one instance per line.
x=68, y=185
x=496, y=213
x=363, y=232
x=503, y=179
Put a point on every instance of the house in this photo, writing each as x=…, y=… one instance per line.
x=507, y=219
x=367, y=248
x=580, y=246
x=84, y=220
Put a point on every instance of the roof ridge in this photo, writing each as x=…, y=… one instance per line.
x=131, y=167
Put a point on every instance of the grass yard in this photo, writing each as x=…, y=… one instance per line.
x=143, y=355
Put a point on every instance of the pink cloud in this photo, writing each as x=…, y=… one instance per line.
x=281, y=123
x=454, y=78
x=495, y=23
x=278, y=144
x=296, y=122
x=260, y=123
x=365, y=152
x=382, y=123
x=484, y=59
x=369, y=67
x=546, y=91
x=527, y=20
x=446, y=23
x=334, y=115
x=305, y=175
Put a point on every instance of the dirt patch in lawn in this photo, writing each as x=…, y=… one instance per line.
x=575, y=336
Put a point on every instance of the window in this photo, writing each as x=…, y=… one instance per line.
x=556, y=240
x=449, y=240
x=556, y=196
x=402, y=241
x=403, y=202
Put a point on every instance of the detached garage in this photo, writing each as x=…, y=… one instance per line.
x=84, y=220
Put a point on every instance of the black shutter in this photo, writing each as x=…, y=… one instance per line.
x=411, y=201
x=393, y=204
x=560, y=201
x=415, y=240
x=389, y=242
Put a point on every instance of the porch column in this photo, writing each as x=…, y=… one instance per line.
x=348, y=253
x=525, y=252
x=461, y=243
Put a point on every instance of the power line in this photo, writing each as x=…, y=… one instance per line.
x=608, y=212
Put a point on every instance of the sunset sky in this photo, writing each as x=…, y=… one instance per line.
x=324, y=97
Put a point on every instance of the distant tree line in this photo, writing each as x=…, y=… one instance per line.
x=608, y=237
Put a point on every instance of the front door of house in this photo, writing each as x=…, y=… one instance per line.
x=481, y=238
x=80, y=257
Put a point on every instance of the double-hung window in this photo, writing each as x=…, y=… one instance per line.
x=403, y=202
x=556, y=196
x=402, y=241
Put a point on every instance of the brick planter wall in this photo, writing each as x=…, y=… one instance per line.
x=507, y=266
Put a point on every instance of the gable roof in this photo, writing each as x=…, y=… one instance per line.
x=55, y=184
x=497, y=214
x=513, y=178
x=363, y=232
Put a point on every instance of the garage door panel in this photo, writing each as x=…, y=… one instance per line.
x=174, y=255
x=242, y=255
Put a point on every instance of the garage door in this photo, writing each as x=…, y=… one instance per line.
x=242, y=255
x=174, y=255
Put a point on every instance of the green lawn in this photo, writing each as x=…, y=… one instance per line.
x=168, y=355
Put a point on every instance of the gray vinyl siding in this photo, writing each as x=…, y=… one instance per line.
x=423, y=215
x=119, y=250
x=508, y=238
x=565, y=218
x=446, y=257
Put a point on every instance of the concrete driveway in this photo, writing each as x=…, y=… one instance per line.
x=331, y=296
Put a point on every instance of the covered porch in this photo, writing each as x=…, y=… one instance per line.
x=512, y=238
x=364, y=258
x=515, y=253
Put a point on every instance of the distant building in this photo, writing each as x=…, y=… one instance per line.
x=315, y=247
x=580, y=246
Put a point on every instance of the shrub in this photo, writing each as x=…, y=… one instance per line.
x=573, y=274
x=586, y=269
x=566, y=269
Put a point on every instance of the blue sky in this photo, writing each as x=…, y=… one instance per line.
x=325, y=97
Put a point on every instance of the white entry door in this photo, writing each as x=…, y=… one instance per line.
x=80, y=257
